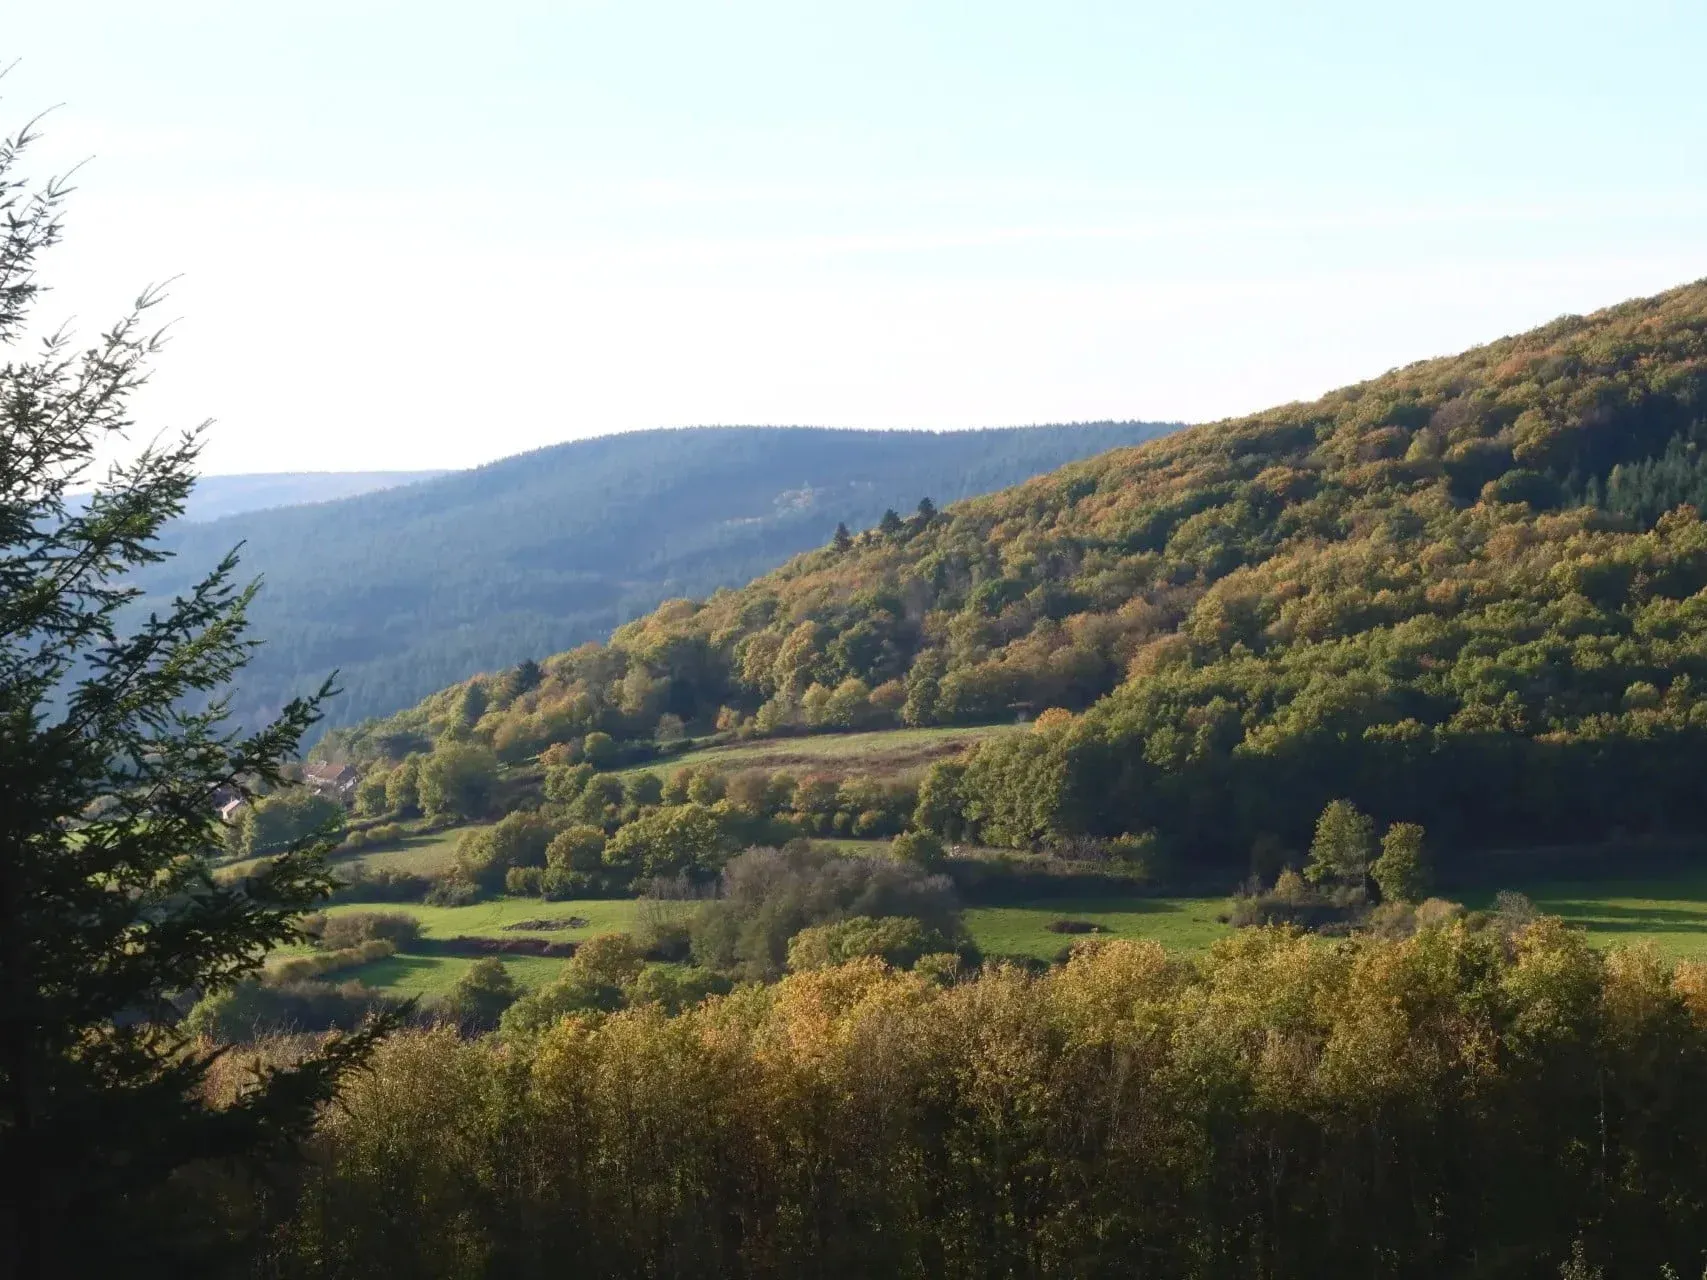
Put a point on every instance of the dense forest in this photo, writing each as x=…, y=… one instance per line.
x=1468, y=593
x=405, y=590
x=1472, y=1103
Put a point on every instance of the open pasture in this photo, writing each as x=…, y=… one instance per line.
x=895, y=753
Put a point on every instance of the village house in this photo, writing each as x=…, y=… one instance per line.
x=337, y=781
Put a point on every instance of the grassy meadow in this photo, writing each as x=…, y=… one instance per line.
x=1179, y=924
x=1670, y=913
x=889, y=753
x=423, y=971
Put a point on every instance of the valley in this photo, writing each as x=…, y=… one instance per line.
x=1233, y=843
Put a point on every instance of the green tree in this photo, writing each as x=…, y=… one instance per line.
x=287, y=818
x=565, y=782
x=519, y=839
x=706, y=786
x=599, y=750
x=941, y=808
x=371, y=801
x=599, y=801
x=112, y=742
x=898, y=941
x=643, y=789
x=891, y=524
x=402, y=787
x=665, y=841
x=578, y=848
x=1402, y=871
x=843, y=540
x=481, y=995
x=1345, y=840
x=457, y=780
x=920, y=848
x=470, y=706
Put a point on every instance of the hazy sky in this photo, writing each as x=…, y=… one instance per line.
x=428, y=235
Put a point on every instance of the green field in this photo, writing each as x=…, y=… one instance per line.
x=424, y=973
x=426, y=855
x=1670, y=913
x=1180, y=924
x=891, y=753
x=603, y=915
x=418, y=975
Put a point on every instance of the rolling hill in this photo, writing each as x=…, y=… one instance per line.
x=407, y=589
x=1470, y=593
x=215, y=497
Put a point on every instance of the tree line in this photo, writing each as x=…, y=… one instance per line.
x=1459, y=1102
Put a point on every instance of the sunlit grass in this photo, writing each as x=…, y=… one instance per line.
x=893, y=752
x=1180, y=924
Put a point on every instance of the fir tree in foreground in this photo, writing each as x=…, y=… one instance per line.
x=113, y=745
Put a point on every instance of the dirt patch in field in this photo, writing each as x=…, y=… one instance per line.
x=1074, y=926
x=551, y=925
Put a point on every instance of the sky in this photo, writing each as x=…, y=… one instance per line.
x=429, y=235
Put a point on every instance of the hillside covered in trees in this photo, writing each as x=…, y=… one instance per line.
x=406, y=590
x=1468, y=593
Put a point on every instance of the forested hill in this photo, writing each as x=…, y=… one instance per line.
x=218, y=496
x=1468, y=593
x=405, y=590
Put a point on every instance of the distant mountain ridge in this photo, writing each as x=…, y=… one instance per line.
x=407, y=589
x=215, y=497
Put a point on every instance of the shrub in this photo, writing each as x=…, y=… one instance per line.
x=577, y=848
x=295, y=969
x=769, y=895
x=480, y=995
x=383, y=885
x=252, y=1010
x=898, y=941
x=520, y=839
x=918, y=848
x=274, y=823
x=557, y=884
x=524, y=882
x=453, y=891
x=686, y=837
x=351, y=928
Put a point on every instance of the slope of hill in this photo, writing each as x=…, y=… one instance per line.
x=1468, y=593
x=215, y=497
x=407, y=589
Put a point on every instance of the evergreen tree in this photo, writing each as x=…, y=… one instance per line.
x=926, y=512
x=843, y=539
x=113, y=743
x=891, y=523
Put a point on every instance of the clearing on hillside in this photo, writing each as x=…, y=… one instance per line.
x=891, y=753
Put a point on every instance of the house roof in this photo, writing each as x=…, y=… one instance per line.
x=329, y=772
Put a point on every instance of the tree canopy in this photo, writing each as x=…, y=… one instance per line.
x=1467, y=593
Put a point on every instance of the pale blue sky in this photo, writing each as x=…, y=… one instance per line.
x=427, y=234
